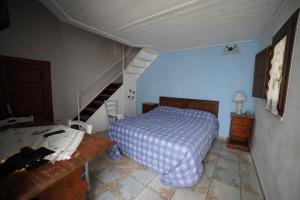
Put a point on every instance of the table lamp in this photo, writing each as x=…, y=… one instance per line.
x=239, y=97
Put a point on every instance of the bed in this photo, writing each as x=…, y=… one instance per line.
x=173, y=139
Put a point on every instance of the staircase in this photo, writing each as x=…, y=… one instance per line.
x=141, y=62
x=138, y=65
x=137, y=61
x=93, y=106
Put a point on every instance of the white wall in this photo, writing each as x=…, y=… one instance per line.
x=275, y=144
x=77, y=57
x=129, y=84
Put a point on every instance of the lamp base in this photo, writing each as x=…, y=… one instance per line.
x=239, y=107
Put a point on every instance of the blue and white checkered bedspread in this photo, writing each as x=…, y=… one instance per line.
x=170, y=140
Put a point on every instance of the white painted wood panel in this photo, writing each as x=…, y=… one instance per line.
x=168, y=25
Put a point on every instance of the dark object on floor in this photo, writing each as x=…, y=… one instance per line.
x=27, y=158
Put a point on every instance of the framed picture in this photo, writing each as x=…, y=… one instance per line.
x=4, y=17
x=282, y=44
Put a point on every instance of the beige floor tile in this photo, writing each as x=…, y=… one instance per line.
x=208, y=169
x=249, y=183
x=245, y=158
x=107, y=196
x=98, y=164
x=148, y=194
x=229, y=155
x=111, y=178
x=97, y=189
x=211, y=156
x=144, y=175
x=225, y=148
x=227, y=177
x=163, y=190
x=128, y=189
x=124, y=162
x=224, y=169
x=217, y=144
x=202, y=186
x=246, y=169
x=250, y=196
x=215, y=149
x=221, y=191
x=186, y=194
x=228, y=164
x=109, y=175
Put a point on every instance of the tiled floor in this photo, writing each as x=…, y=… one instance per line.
x=228, y=175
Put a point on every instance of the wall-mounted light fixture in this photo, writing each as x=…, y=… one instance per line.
x=231, y=49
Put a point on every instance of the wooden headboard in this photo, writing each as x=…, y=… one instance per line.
x=204, y=105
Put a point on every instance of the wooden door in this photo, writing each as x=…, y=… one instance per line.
x=26, y=87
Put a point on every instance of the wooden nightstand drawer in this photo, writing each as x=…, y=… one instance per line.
x=242, y=121
x=240, y=131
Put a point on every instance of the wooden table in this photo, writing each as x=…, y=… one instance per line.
x=61, y=180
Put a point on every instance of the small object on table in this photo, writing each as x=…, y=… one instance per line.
x=54, y=133
x=148, y=106
x=240, y=131
x=37, y=133
x=27, y=158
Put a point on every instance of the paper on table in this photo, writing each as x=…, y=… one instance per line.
x=64, y=144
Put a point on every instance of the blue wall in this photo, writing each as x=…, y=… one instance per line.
x=203, y=73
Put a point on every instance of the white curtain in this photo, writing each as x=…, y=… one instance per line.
x=275, y=76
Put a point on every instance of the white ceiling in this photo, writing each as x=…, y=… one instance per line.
x=169, y=25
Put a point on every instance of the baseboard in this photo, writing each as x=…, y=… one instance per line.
x=259, y=177
x=221, y=137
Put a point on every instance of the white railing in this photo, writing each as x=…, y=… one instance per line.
x=100, y=83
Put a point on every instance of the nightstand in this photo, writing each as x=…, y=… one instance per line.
x=240, y=131
x=147, y=106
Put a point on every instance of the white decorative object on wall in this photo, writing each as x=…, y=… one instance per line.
x=239, y=98
x=275, y=76
x=131, y=94
x=231, y=49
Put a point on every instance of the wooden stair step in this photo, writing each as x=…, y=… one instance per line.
x=84, y=117
x=114, y=85
x=97, y=102
x=86, y=113
x=102, y=97
x=109, y=91
x=91, y=109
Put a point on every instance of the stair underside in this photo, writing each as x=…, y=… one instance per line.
x=138, y=65
x=92, y=107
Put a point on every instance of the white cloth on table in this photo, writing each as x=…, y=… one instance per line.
x=64, y=144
